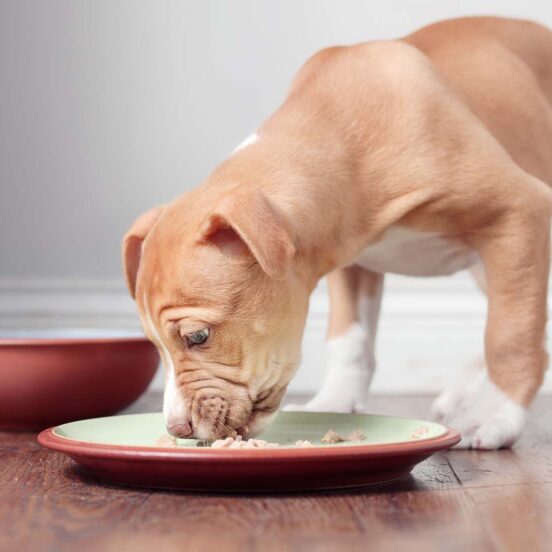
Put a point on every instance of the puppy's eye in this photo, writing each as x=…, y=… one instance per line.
x=197, y=338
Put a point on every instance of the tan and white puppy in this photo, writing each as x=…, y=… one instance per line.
x=420, y=156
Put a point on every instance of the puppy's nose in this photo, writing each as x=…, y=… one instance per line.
x=182, y=429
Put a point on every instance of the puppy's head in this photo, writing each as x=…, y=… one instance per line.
x=214, y=280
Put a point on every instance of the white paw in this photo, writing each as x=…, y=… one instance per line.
x=486, y=418
x=350, y=369
x=324, y=402
x=345, y=390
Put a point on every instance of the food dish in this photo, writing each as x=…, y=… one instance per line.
x=123, y=449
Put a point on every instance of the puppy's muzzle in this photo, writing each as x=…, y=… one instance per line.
x=179, y=428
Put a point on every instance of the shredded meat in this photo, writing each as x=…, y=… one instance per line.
x=239, y=443
x=332, y=437
x=166, y=441
x=356, y=435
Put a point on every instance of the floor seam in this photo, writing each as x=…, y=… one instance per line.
x=459, y=481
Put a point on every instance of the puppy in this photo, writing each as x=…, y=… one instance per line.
x=421, y=156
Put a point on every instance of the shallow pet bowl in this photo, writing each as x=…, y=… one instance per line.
x=126, y=450
x=51, y=377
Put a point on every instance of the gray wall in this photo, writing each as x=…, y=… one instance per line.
x=109, y=107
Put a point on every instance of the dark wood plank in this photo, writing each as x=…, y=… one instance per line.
x=504, y=467
x=435, y=520
x=385, y=520
x=434, y=474
x=517, y=517
x=250, y=521
x=44, y=505
x=381, y=518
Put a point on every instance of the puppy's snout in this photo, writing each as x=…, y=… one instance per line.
x=180, y=429
x=212, y=407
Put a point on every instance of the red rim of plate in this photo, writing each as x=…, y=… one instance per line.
x=49, y=439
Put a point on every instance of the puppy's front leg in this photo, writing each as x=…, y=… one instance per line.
x=491, y=411
x=355, y=298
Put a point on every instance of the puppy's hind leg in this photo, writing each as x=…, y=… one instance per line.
x=355, y=298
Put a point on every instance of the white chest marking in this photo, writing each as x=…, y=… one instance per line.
x=251, y=139
x=404, y=251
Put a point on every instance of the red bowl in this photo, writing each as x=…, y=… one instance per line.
x=46, y=381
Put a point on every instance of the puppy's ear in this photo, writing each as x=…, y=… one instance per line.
x=132, y=245
x=245, y=223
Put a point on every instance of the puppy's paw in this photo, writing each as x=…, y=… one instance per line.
x=446, y=402
x=350, y=369
x=486, y=418
x=345, y=390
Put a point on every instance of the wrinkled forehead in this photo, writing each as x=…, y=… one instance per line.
x=177, y=271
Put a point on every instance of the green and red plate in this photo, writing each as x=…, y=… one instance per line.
x=123, y=450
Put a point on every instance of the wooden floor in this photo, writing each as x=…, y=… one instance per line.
x=461, y=500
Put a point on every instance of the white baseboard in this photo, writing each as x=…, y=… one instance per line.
x=430, y=328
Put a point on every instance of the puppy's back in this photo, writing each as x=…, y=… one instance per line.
x=465, y=38
x=502, y=69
